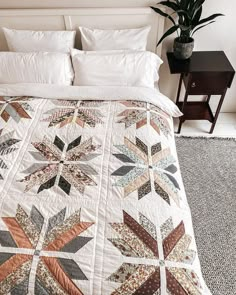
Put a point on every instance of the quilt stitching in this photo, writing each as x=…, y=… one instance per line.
x=137, y=114
x=134, y=174
x=47, y=247
x=83, y=113
x=54, y=274
x=8, y=145
x=16, y=108
x=139, y=240
x=64, y=165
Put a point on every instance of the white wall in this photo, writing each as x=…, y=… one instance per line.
x=218, y=36
x=73, y=3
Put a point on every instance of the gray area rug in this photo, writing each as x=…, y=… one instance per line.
x=208, y=168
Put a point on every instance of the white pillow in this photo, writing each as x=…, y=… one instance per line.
x=129, y=39
x=34, y=41
x=115, y=68
x=39, y=67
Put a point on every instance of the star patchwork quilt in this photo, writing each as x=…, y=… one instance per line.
x=91, y=197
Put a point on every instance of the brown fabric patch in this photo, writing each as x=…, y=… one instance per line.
x=173, y=285
x=140, y=232
x=173, y=238
x=151, y=286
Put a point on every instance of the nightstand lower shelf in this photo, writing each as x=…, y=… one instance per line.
x=199, y=110
x=196, y=111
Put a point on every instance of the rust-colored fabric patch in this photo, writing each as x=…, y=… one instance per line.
x=66, y=237
x=17, y=233
x=16, y=106
x=5, y=116
x=12, y=264
x=55, y=268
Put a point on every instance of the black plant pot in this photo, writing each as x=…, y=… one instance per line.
x=183, y=50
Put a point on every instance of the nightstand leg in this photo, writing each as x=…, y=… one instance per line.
x=217, y=112
x=184, y=101
x=179, y=87
x=182, y=119
x=180, y=126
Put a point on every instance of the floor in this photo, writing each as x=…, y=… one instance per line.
x=225, y=126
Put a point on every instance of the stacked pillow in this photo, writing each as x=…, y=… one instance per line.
x=115, y=68
x=109, y=58
x=35, y=41
x=129, y=39
x=115, y=58
x=37, y=57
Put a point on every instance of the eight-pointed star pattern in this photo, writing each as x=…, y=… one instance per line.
x=138, y=162
x=73, y=111
x=8, y=145
x=54, y=273
x=140, y=113
x=15, y=108
x=64, y=166
x=139, y=240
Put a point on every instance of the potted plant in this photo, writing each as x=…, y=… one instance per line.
x=187, y=23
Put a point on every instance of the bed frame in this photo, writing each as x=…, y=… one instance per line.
x=70, y=19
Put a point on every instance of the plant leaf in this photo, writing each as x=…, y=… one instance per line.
x=184, y=4
x=197, y=17
x=170, y=4
x=197, y=5
x=159, y=11
x=191, y=3
x=209, y=18
x=202, y=27
x=184, y=17
x=183, y=12
x=169, y=32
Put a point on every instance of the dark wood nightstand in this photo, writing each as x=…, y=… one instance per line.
x=205, y=73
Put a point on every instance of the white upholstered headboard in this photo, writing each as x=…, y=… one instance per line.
x=70, y=19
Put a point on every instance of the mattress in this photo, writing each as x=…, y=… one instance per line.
x=91, y=195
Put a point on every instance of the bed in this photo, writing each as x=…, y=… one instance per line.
x=91, y=195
